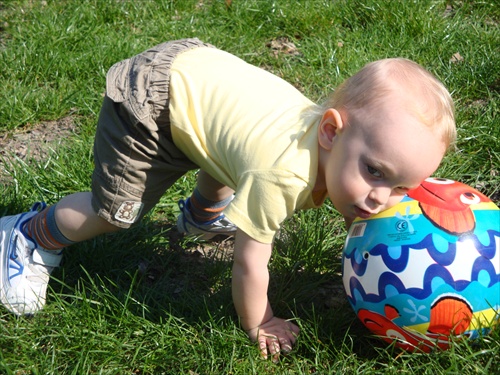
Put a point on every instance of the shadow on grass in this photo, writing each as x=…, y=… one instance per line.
x=153, y=272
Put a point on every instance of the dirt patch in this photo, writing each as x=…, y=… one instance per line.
x=190, y=255
x=36, y=141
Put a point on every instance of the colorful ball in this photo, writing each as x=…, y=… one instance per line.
x=427, y=268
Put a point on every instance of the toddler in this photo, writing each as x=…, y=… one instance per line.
x=263, y=150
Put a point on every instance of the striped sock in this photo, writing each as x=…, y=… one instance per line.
x=204, y=210
x=42, y=228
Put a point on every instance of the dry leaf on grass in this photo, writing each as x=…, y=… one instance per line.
x=456, y=58
x=283, y=45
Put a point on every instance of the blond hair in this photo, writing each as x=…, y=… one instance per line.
x=368, y=89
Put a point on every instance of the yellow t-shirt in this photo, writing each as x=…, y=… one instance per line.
x=247, y=129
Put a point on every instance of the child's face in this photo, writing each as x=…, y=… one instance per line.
x=368, y=166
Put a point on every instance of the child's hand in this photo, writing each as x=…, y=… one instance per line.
x=274, y=337
x=249, y=286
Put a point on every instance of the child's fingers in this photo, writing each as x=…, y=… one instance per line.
x=275, y=337
x=285, y=345
x=263, y=346
x=269, y=344
x=274, y=346
x=266, y=342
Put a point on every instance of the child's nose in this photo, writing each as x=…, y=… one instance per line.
x=380, y=195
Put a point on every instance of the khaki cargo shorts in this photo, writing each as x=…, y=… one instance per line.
x=136, y=160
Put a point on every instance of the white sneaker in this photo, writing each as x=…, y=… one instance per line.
x=205, y=231
x=24, y=267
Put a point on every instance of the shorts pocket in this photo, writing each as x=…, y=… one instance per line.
x=117, y=82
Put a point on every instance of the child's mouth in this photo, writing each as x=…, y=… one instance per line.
x=363, y=214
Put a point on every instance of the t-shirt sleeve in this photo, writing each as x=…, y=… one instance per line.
x=263, y=200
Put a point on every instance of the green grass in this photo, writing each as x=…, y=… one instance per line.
x=146, y=302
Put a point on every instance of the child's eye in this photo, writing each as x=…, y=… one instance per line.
x=402, y=190
x=374, y=172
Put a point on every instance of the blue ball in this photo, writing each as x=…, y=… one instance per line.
x=427, y=268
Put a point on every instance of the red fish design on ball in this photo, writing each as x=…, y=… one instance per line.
x=447, y=204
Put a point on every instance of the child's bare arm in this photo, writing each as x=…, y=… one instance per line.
x=250, y=283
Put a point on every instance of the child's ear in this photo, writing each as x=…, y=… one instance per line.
x=330, y=125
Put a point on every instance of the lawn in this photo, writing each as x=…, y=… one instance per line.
x=148, y=301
